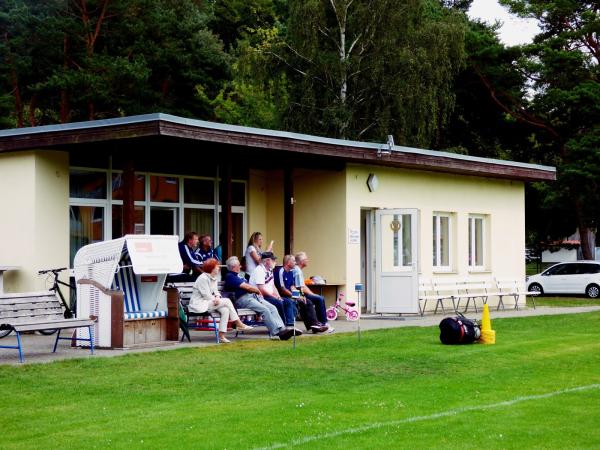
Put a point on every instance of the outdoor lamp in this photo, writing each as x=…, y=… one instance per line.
x=372, y=182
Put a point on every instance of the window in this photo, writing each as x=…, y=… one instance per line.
x=164, y=189
x=441, y=241
x=164, y=204
x=86, y=224
x=117, y=220
x=87, y=184
x=477, y=242
x=588, y=268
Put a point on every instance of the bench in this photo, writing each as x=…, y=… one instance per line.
x=471, y=290
x=455, y=291
x=35, y=311
x=207, y=321
x=513, y=288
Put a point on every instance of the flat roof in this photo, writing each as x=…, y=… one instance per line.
x=159, y=124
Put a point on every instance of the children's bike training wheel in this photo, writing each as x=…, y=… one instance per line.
x=352, y=315
x=332, y=314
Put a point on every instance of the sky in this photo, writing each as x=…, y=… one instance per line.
x=514, y=31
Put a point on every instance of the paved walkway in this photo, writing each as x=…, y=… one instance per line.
x=38, y=349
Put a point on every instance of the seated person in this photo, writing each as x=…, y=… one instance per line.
x=262, y=278
x=206, y=297
x=191, y=264
x=317, y=300
x=205, y=250
x=248, y=296
x=284, y=281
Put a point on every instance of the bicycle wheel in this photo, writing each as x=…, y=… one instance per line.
x=331, y=313
x=73, y=301
x=4, y=333
x=48, y=332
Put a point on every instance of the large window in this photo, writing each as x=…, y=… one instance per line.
x=477, y=242
x=442, y=223
x=164, y=204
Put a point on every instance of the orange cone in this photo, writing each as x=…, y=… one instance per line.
x=488, y=336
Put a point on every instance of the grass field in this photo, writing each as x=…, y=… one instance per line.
x=538, y=387
x=556, y=301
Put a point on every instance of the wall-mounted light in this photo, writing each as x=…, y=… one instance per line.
x=372, y=182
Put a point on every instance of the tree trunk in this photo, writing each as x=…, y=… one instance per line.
x=31, y=114
x=90, y=110
x=586, y=244
x=64, y=96
x=15, y=85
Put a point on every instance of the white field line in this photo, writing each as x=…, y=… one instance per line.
x=451, y=412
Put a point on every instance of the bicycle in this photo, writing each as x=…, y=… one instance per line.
x=56, y=283
x=349, y=309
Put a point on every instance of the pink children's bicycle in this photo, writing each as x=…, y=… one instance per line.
x=349, y=309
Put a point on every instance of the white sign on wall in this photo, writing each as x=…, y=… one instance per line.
x=154, y=254
x=353, y=236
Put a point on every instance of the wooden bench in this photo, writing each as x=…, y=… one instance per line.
x=35, y=311
x=208, y=321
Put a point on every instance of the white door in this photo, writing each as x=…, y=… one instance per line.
x=396, y=261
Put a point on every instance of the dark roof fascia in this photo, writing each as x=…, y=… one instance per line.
x=350, y=151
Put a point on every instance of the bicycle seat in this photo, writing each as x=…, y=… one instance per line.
x=350, y=303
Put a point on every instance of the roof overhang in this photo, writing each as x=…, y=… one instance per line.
x=127, y=128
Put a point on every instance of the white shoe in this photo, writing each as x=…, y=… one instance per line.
x=329, y=330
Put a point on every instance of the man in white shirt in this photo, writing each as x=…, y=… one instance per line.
x=262, y=277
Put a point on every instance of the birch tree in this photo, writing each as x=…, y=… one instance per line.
x=363, y=69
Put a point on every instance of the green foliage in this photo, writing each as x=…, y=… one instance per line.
x=478, y=124
x=102, y=58
x=365, y=69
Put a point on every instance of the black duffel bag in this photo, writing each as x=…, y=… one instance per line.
x=459, y=330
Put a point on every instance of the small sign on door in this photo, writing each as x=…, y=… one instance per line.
x=353, y=236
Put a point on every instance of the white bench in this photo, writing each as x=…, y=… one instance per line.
x=35, y=311
x=513, y=288
x=428, y=291
x=455, y=291
x=472, y=290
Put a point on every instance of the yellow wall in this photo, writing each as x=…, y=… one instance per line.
x=257, y=202
x=328, y=205
x=320, y=222
x=34, y=195
x=265, y=207
x=502, y=200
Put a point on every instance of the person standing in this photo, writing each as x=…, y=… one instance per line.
x=254, y=251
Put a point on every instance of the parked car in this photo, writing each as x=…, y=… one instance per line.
x=581, y=277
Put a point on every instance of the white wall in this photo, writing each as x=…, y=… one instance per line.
x=502, y=201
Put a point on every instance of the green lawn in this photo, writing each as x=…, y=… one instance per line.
x=539, y=386
x=563, y=301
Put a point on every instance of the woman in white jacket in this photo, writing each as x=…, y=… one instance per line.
x=206, y=297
